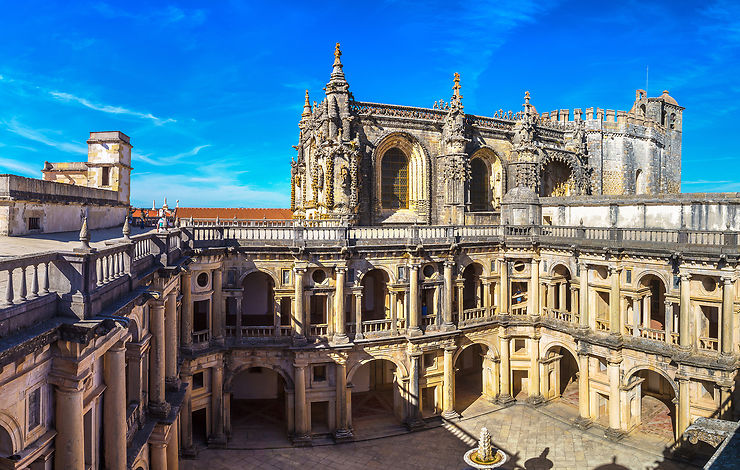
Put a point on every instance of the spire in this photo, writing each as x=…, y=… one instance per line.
x=306, y=107
x=528, y=108
x=456, y=100
x=337, y=75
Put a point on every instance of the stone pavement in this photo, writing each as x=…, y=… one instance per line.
x=534, y=439
x=62, y=241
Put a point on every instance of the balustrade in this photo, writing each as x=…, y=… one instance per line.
x=519, y=309
x=376, y=326
x=472, y=315
x=708, y=344
x=257, y=331
x=15, y=274
x=602, y=324
x=201, y=336
x=319, y=330
x=649, y=333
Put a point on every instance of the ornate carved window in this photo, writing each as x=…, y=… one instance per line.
x=394, y=173
x=479, y=185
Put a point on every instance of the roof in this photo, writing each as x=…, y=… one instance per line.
x=240, y=213
x=148, y=213
x=65, y=166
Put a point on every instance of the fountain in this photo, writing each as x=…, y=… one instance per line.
x=485, y=456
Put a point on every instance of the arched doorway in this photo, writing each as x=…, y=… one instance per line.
x=259, y=408
x=375, y=297
x=652, y=405
x=472, y=286
x=651, y=294
x=557, y=179
x=376, y=401
x=473, y=379
x=6, y=443
x=258, y=300
x=559, y=298
x=560, y=377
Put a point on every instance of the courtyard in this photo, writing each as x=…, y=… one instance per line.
x=534, y=439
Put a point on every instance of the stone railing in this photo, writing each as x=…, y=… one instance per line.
x=602, y=324
x=650, y=333
x=201, y=336
x=708, y=344
x=472, y=315
x=374, y=327
x=17, y=273
x=408, y=112
x=318, y=330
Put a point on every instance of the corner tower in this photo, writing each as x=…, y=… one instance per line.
x=109, y=163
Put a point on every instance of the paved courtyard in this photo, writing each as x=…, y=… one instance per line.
x=534, y=439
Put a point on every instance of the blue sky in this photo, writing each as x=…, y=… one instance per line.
x=211, y=92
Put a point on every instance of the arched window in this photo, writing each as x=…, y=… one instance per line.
x=394, y=173
x=479, y=185
x=640, y=182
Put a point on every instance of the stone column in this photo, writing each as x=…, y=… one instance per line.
x=170, y=327
x=448, y=384
x=158, y=456
x=535, y=397
x=668, y=321
x=340, y=335
x=218, y=308
x=505, y=393
x=217, y=439
x=550, y=295
x=301, y=420
x=684, y=334
x=358, y=314
x=614, y=419
x=414, y=310
x=299, y=313
x=583, y=310
x=505, y=300
x=394, y=312
x=636, y=315
x=157, y=360
x=186, y=313
x=447, y=309
x=487, y=298
x=614, y=296
x=342, y=431
x=173, y=450
x=584, y=408
x=114, y=407
x=728, y=297
x=70, y=439
x=562, y=296
x=186, y=415
x=647, y=310
x=413, y=419
x=460, y=298
x=534, y=288
x=684, y=416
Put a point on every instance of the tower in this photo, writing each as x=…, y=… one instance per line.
x=109, y=163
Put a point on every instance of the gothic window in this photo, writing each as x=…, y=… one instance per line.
x=640, y=182
x=478, y=185
x=394, y=173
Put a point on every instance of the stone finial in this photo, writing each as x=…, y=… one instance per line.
x=337, y=55
x=154, y=204
x=126, y=229
x=85, y=234
x=526, y=98
x=306, y=107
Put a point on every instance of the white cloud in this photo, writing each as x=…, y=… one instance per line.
x=104, y=108
x=169, y=160
x=41, y=137
x=15, y=166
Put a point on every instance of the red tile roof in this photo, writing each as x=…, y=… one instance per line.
x=240, y=213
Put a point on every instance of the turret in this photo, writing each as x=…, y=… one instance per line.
x=337, y=101
x=109, y=162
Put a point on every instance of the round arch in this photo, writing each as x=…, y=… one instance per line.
x=569, y=160
x=388, y=271
x=13, y=429
x=254, y=269
x=249, y=365
x=419, y=170
x=555, y=344
x=465, y=262
x=651, y=272
x=495, y=176
x=628, y=376
x=400, y=366
x=134, y=328
x=559, y=264
x=472, y=342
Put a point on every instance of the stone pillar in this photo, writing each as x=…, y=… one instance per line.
x=343, y=430
x=157, y=456
x=728, y=297
x=218, y=308
x=299, y=313
x=668, y=321
x=583, y=296
x=550, y=295
x=217, y=439
x=636, y=315
x=684, y=334
x=170, y=327
x=340, y=335
x=414, y=310
x=535, y=397
x=614, y=296
x=358, y=314
x=173, y=450
x=70, y=439
x=460, y=286
x=562, y=296
x=447, y=309
x=413, y=420
x=301, y=420
x=684, y=416
x=157, y=361
x=505, y=393
x=614, y=410
x=487, y=298
x=394, y=312
x=114, y=407
x=584, y=408
x=186, y=311
x=186, y=416
x=534, y=288
x=647, y=303
x=505, y=300
x=448, y=384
